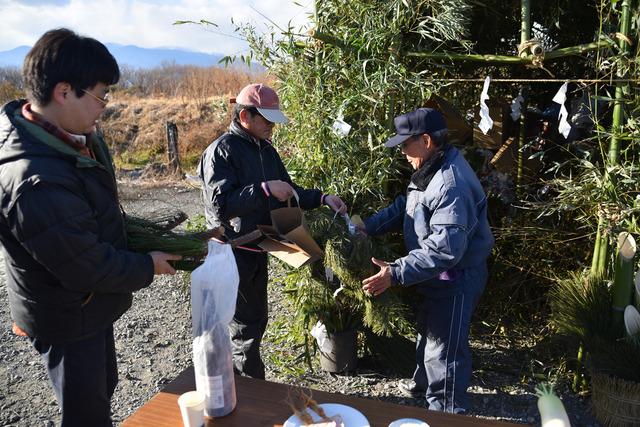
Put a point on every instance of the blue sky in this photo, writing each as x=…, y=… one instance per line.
x=147, y=23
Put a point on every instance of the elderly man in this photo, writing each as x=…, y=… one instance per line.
x=69, y=273
x=243, y=180
x=447, y=236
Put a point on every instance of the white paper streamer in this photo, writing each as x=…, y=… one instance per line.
x=516, y=105
x=563, y=126
x=485, y=121
x=341, y=128
x=328, y=273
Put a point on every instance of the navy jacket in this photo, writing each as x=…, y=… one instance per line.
x=69, y=274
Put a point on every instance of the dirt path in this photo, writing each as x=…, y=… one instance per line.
x=153, y=342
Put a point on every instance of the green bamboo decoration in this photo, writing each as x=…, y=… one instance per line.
x=623, y=281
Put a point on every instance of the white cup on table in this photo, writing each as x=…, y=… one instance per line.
x=192, y=408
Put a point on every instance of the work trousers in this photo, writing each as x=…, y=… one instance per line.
x=443, y=357
x=84, y=375
x=250, y=319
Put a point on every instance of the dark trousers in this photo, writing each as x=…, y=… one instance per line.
x=84, y=375
x=443, y=357
x=250, y=319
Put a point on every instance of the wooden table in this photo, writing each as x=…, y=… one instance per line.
x=262, y=403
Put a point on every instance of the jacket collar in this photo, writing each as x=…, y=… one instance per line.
x=423, y=176
x=12, y=112
x=236, y=129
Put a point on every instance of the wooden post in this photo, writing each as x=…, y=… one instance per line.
x=172, y=147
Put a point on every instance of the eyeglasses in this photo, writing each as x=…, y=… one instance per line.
x=104, y=101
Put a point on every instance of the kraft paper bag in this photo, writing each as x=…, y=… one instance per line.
x=295, y=242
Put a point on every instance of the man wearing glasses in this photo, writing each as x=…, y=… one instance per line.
x=69, y=273
x=447, y=236
x=243, y=180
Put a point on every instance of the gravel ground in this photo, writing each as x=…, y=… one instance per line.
x=153, y=342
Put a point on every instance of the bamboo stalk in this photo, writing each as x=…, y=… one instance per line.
x=521, y=141
x=513, y=60
x=525, y=23
x=623, y=279
x=618, y=110
x=603, y=253
x=577, y=374
x=486, y=58
x=595, y=261
x=525, y=35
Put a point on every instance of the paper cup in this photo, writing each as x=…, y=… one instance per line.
x=192, y=408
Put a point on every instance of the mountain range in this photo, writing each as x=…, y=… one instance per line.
x=133, y=56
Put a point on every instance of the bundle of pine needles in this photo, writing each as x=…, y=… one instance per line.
x=581, y=308
x=339, y=301
x=155, y=234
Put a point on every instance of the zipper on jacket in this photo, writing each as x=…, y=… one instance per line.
x=264, y=176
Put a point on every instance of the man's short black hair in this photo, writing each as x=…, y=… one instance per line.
x=63, y=56
x=440, y=138
x=239, y=107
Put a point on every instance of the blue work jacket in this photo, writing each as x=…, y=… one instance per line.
x=445, y=226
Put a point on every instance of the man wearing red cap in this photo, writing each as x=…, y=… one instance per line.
x=243, y=180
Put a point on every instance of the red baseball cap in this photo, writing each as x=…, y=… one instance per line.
x=264, y=99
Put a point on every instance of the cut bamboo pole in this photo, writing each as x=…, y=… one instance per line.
x=623, y=279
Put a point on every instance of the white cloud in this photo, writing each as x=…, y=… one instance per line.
x=146, y=23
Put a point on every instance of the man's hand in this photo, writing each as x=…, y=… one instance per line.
x=161, y=264
x=335, y=203
x=378, y=283
x=280, y=190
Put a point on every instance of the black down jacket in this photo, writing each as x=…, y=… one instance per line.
x=68, y=272
x=232, y=169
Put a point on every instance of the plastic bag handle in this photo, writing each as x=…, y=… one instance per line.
x=295, y=194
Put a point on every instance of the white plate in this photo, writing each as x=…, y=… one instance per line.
x=408, y=422
x=350, y=416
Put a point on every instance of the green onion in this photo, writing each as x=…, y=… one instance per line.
x=552, y=412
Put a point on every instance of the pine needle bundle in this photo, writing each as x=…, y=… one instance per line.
x=348, y=259
x=155, y=234
x=581, y=308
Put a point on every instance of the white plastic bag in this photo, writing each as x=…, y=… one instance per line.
x=319, y=332
x=214, y=289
